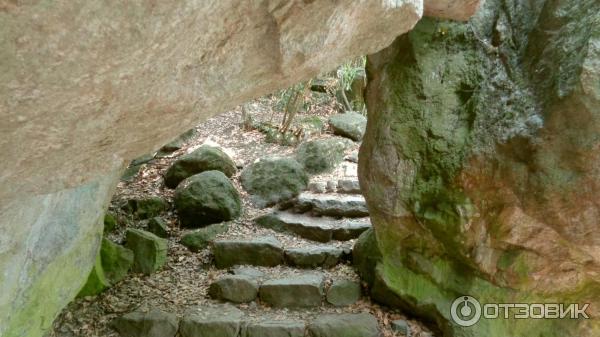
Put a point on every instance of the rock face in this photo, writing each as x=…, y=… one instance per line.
x=207, y=198
x=481, y=172
x=205, y=158
x=101, y=84
x=271, y=180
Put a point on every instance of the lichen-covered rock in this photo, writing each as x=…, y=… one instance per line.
x=96, y=282
x=271, y=180
x=116, y=261
x=481, y=171
x=149, y=251
x=349, y=124
x=207, y=198
x=321, y=155
x=205, y=158
x=199, y=239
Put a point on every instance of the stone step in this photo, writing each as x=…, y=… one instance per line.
x=225, y=320
x=316, y=256
x=298, y=291
x=344, y=325
x=294, y=290
x=268, y=252
x=321, y=229
x=335, y=205
x=262, y=251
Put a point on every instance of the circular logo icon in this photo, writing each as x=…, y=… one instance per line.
x=465, y=311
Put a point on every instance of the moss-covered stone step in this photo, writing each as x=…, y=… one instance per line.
x=335, y=205
x=321, y=229
x=262, y=251
x=225, y=320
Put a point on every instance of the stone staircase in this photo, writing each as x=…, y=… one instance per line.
x=264, y=275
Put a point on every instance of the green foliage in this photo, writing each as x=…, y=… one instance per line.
x=348, y=71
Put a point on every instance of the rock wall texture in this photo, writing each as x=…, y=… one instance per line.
x=85, y=86
x=481, y=163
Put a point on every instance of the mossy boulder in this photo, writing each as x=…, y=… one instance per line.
x=350, y=124
x=116, y=261
x=110, y=222
x=207, y=198
x=150, y=251
x=96, y=282
x=205, y=158
x=322, y=155
x=271, y=180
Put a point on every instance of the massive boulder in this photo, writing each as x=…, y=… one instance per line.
x=87, y=86
x=481, y=163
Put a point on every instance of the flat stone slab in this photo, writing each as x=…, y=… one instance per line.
x=312, y=257
x=346, y=206
x=211, y=321
x=263, y=251
x=274, y=329
x=344, y=325
x=155, y=323
x=320, y=229
x=297, y=291
x=234, y=288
